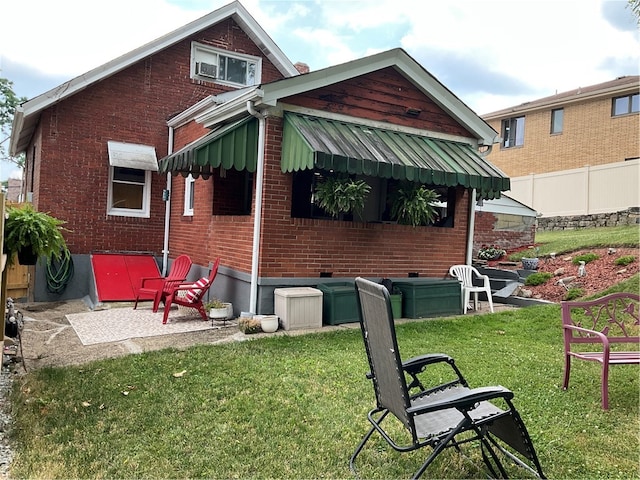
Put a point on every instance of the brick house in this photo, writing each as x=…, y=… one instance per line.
x=92, y=143
x=241, y=140
x=383, y=119
x=550, y=138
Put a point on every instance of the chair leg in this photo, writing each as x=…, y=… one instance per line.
x=605, y=386
x=475, y=301
x=167, y=307
x=156, y=301
x=490, y=301
x=466, y=300
x=567, y=371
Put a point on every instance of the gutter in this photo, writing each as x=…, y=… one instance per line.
x=167, y=212
x=471, y=226
x=255, y=250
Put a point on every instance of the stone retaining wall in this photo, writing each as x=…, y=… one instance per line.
x=630, y=216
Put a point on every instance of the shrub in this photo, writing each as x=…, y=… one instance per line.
x=574, y=293
x=490, y=252
x=586, y=258
x=538, y=278
x=625, y=260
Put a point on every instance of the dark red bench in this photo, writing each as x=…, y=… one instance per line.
x=609, y=327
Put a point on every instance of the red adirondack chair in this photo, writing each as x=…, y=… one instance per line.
x=194, y=294
x=158, y=288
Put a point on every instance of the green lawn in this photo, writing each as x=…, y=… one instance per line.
x=294, y=407
x=563, y=241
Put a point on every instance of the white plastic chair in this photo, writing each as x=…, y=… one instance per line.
x=465, y=275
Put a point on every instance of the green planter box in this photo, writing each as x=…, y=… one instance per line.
x=396, y=305
x=430, y=297
x=339, y=303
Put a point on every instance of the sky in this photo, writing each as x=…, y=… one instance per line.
x=492, y=54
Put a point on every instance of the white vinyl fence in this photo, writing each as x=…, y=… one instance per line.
x=581, y=191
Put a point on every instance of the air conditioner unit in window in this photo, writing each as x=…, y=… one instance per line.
x=206, y=70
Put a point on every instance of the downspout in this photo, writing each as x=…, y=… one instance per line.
x=472, y=224
x=167, y=212
x=255, y=251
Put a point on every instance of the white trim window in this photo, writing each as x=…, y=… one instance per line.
x=129, y=192
x=221, y=66
x=189, y=195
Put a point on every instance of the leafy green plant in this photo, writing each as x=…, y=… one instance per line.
x=213, y=303
x=574, y=293
x=624, y=260
x=341, y=195
x=538, y=278
x=412, y=204
x=586, y=258
x=26, y=229
x=490, y=252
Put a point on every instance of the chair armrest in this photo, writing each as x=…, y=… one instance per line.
x=595, y=336
x=415, y=365
x=143, y=280
x=464, y=400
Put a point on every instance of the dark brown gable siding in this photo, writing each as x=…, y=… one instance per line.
x=383, y=96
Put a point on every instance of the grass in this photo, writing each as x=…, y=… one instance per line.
x=295, y=407
x=564, y=241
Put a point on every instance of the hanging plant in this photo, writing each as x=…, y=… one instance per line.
x=341, y=195
x=34, y=234
x=412, y=204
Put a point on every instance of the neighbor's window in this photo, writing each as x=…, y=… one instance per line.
x=557, y=119
x=215, y=65
x=129, y=192
x=627, y=104
x=189, y=195
x=513, y=132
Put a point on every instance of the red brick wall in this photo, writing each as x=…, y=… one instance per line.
x=71, y=180
x=506, y=231
x=294, y=247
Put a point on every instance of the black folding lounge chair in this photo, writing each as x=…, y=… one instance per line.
x=447, y=415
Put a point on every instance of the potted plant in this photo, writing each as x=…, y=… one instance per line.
x=31, y=234
x=412, y=204
x=338, y=196
x=217, y=309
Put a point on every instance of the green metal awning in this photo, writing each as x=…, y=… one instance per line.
x=232, y=146
x=312, y=142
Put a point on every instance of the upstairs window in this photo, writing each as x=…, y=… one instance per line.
x=557, y=119
x=220, y=66
x=626, y=104
x=513, y=132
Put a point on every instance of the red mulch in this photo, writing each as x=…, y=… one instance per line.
x=600, y=274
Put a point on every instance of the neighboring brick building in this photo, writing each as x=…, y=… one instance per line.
x=575, y=153
x=593, y=125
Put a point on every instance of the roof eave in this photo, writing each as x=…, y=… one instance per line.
x=557, y=101
x=231, y=109
x=233, y=10
x=407, y=66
